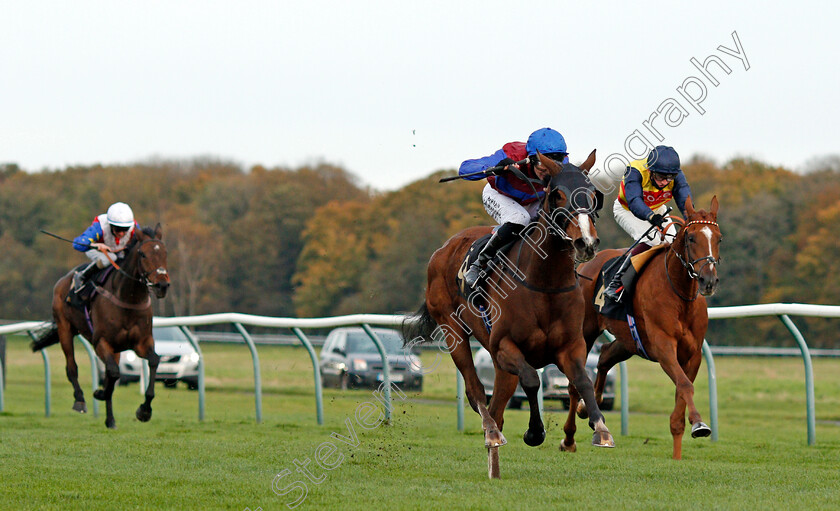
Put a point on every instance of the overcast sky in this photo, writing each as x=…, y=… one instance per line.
x=394, y=90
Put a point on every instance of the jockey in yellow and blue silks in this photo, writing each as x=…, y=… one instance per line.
x=110, y=232
x=648, y=185
x=509, y=199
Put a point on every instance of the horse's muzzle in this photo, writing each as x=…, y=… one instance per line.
x=708, y=284
x=160, y=289
x=585, y=251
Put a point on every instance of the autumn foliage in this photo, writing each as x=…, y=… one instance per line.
x=314, y=241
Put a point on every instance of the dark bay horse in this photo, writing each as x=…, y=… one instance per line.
x=120, y=319
x=670, y=312
x=534, y=304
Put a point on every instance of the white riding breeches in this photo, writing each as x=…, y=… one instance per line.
x=636, y=227
x=100, y=258
x=503, y=209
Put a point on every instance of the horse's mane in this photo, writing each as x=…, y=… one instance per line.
x=148, y=231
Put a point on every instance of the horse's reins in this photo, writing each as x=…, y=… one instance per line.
x=144, y=275
x=143, y=280
x=693, y=273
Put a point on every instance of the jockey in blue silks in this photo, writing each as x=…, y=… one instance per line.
x=510, y=200
x=110, y=232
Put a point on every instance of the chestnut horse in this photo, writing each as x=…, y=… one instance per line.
x=670, y=313
x=534, y=305
x=120, y=319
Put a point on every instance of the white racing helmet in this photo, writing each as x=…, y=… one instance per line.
x=120, y=215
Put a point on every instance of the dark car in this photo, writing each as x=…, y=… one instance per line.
x=555, y=384
x=349, y=359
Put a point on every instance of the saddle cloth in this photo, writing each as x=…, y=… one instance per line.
x=621, y=310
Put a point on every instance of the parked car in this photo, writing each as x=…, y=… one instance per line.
x=349, y=359
x=555, y=384
x=178, y=360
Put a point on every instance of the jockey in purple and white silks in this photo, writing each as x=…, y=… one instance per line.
x=510, y=200
x=110, y=232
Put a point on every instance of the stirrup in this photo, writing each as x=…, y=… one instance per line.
x=473, y=274
x=78, y=282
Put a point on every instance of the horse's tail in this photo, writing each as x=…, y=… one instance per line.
x=47, y=336
x=420, y=324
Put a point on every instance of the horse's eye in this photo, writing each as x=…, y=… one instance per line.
x=691, y=238
x=720, y=239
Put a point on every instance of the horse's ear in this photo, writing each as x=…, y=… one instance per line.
x=586, y=166
x=548, y=163
x=689, y=206
x=158, y=232
x=714, y=208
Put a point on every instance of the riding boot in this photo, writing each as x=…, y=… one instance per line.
x=505, y=234
x=615, y=288
x=80, y=278
x=623, y=278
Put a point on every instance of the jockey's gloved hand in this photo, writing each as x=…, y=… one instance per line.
x=656, y=219
x=501, y=167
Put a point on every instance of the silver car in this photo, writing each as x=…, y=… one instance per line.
x=178, y=360
x=555, y=384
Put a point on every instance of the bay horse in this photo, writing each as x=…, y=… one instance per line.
x=535, y=307
x=120, y=318
x=670, y=314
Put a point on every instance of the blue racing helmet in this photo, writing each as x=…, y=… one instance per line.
x=546, y=141
x=664, y=160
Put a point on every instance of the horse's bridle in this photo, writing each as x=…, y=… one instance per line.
x=144, y=276
x=567, y=213
x=693, y=272
x=689, y=266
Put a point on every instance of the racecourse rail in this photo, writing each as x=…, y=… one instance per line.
x=781, y=310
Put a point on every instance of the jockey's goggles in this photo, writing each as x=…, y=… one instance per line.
x=116, y=228
x=663, y=177
x=558, y=157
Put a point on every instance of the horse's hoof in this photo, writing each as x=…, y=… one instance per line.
x=110, y=423
x=80, y=406
x=603, y=439
x=700, y=429
x=567, y=448
x=494, y=438
x=99, y=394
x=534, y=438
x=144, y=413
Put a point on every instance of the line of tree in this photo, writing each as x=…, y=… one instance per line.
x=313, y=241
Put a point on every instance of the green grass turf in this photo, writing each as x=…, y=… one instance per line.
x=420, y=460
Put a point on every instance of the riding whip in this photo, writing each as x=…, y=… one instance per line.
x=482, y=172
x=64, y=239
